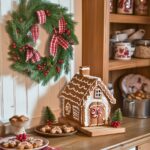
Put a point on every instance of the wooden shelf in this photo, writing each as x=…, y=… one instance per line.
x=130, y=19
x=133, y=63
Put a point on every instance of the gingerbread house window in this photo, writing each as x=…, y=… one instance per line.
x=97, y=93
x=76, y=112
x=68, y=109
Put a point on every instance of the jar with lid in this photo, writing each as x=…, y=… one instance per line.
x=125, y=7
x=141, y=7
x=142, y=49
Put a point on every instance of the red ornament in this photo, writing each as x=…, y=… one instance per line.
x=115, y=124
x=60, y=61
x=58, y=69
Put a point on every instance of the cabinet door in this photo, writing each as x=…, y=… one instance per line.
x=145, y=146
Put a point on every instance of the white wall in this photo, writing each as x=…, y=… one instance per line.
x=18, y=94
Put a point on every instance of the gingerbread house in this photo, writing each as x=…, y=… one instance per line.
x=86, y=100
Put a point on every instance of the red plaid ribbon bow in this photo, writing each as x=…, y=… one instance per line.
x=35, y=32
x=57, y=38
x=41, y=16
x=33, y=55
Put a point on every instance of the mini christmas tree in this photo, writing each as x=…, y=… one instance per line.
x=117, y=118
x=49, y=116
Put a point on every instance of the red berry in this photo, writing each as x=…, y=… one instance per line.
x=60, y=61
x=45, y=73
x=47, y=13
x=68, y=32
x=58, y=69
x=14, y=45
x=44, y=64
x=20, y=49
x=115, y=124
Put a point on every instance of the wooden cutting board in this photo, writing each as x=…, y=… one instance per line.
x=94, y=131
x=101, y=130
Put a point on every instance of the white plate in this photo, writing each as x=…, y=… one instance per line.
x=46, y=142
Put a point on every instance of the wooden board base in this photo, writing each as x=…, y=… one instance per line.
x=94, y=131
x=101, y=130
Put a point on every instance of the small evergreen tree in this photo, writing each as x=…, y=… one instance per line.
x=117, y=115
x=49, y=116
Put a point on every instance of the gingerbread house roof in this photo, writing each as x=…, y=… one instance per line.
x=80, y=87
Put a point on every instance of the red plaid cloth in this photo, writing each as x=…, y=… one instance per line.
x=33, y=55
x=55, y=41
x=35, y=32
x=57, y=38
x=41, y=16
x=62, y=25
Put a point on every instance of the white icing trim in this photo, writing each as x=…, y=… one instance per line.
x=73, y=89
x=86, y=82
x=78, y=85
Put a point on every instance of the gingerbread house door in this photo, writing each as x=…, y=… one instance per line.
x=101, y=112
x=97, y=114
x=93, y=114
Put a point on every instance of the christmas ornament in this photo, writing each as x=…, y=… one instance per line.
x=24, y=32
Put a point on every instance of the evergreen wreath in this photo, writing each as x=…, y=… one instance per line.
x=24, y=32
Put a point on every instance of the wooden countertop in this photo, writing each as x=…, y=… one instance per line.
x=137, y=132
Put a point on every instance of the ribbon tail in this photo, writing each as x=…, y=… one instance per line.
x=35, y=32
x=62, y=25
x=53, y=45
x=29, y=55
x=62, y=42
x=36, y=57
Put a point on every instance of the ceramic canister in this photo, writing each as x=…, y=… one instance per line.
x=125, y=7
x=123, y=50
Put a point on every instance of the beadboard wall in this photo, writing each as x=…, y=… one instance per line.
x=18, y=94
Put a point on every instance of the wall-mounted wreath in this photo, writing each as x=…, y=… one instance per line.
x=24, y=33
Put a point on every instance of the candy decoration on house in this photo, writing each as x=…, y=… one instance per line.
x=24, y=33
x=117, y=118
x=49, y=116
x=86, y=100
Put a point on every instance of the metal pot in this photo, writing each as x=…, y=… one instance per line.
x=136, y=108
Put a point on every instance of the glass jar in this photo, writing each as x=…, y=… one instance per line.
x=125, y=7
x=111, y=6
x=141, y=7
x=142, y=49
